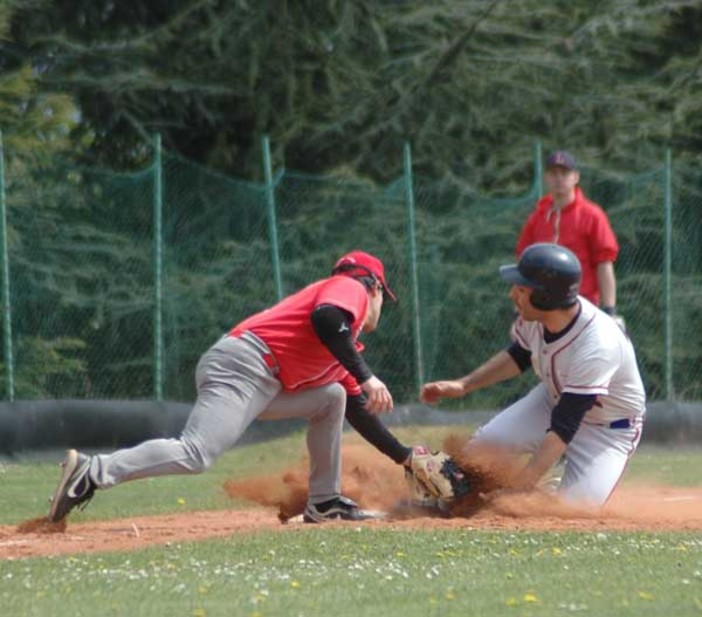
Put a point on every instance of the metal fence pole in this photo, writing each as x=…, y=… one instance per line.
x=667, y=277
x=538, y=170
x=272, y=224
x=158, y=269
x=6, y=304
x=414, y=281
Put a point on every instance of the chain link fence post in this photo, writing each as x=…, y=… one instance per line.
x=414, y=284
x=667, y=276
x=158, y=269
x=272, y=224
x=6, y=303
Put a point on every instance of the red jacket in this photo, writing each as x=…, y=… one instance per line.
x=581, y=226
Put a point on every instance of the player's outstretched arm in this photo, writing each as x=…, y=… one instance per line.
x=498, y=368
x=370, y=427
x=546, y=456
x=433, y=392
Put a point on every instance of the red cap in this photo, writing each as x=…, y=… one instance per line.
x=358, y=263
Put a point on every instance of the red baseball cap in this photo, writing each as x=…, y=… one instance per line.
x=359, y=263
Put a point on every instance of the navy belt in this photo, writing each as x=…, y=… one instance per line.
x=623, y=423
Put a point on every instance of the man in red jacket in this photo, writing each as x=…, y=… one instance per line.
x=566, y=217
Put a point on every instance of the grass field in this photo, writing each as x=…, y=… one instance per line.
x=353, y=570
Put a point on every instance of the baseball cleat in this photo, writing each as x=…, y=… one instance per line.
x=338, y=509
x=75, y=487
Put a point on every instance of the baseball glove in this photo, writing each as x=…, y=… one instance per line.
x=419, y=495
x=436, y=474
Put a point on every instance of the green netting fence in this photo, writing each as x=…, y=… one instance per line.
x=115, y=283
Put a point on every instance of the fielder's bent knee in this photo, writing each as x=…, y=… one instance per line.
x=199, y=459
x=332, y=402
x=336, y=398
x=336, y=394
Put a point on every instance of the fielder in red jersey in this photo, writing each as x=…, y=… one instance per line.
x=298, y=359
x=303, y=360
x=566, y=217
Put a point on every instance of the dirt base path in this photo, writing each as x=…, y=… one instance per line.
x=654, y=509
x=375, y=483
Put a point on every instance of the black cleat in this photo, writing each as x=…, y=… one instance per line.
x=337, y=509
x=74, y=488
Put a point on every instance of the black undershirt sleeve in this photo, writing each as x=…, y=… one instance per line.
x=521, y=356
x=569, y=413
x=373, y=430
x=333, y=327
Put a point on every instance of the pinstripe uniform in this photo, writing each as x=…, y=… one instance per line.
x=594, y=357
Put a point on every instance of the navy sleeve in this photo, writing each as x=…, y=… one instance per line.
x=521, y=356
x=373, y=430
x=569, y=412
x=333, y=327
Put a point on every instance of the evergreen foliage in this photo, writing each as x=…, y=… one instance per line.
x=341, y=82
x=338, y=85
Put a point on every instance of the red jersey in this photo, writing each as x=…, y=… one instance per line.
x=583, y=227
x=303, y=360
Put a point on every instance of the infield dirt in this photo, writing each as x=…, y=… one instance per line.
x=375, y=483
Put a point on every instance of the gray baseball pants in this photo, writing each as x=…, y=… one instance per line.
x=235, y=386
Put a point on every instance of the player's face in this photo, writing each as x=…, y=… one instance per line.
x=375, y=306
x=520, y=297
x=560, y=181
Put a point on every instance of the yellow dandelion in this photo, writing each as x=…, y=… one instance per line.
x=530, y=598
x=645, y=595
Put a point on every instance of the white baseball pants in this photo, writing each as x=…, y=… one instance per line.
x=595, y=458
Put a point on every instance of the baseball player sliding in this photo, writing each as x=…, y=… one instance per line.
x=298, y=359
x=590, y=404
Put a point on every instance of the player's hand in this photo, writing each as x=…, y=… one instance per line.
x=379, y=397
x=433, y=392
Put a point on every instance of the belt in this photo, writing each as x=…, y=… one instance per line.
x=260, y=345
x=615, y=424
